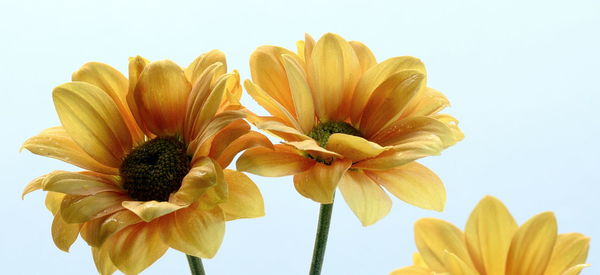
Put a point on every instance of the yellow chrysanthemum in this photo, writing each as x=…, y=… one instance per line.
x=153, y=147
x=351, y=122
x=494, y=244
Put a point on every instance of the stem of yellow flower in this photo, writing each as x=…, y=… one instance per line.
x=195, y=265
x=321, y=239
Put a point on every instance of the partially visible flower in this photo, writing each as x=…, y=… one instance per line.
x=494, y=244
x=351, y=122
x=154, y=147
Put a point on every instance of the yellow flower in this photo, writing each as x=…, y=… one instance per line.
x=351, y=122
x=494, y=244
x=153, y=147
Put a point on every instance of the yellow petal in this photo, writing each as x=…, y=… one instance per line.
x=115, y=85
x=78, y=209
x=454, y=265
x=420, y=146
x=228, y=135
x=56, y=143
x=301, y=93
x=102, y=261
x=161, y=95
x=489, y=231
x=136, y=67
x=452, y=123
x=319, y=182
x=333, y=71
x=245, y=200
x=250, y=140
x=202, y=62
x=309, y=45
x=575, y=270
x=365, y=56
x=414, y=184
x=427, y=102
x=92, y=120
x=53, y=201
x=150, y=210
x=376, y=75
x=216, y=194
x=434, y=237
x=389, y=100
x=272, y=106
x=408, y=128
x=366, y=198
x=268, y=72
x=202, y=176
x=136, y=247
x=571, y=249
x=418, y=260
x=64, y=234
x=532, y=245
x=411, y=270
x=283, y=161
x=282, y=131
x=218, y=123
x=201, y=90
x=79, y=183
x=194, y=231
x=311, y=147
x=352, y=147
x=96, y=231
x=33, y=185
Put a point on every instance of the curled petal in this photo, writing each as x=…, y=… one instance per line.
x=311, y=147
x=204, y=61
x=280, y=130
x=202, y=176
x=150, y=210
x=33, y=185
x=250, y=140
x=352, y=147
x=283, y=161
x=413, y=149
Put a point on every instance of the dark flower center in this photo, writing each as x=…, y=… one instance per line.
x=155, y=169
x=322, y=131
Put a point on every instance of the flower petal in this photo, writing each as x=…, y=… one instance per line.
x=102, y=261
x=488, y=232
x=570, y=250
x=283, y=161
x=78, y=183
x=33, y=185
x=333, y=71
x=413, y=183
x=408, y=128
x=64, y=234
x=56, y=143
x=301, y=93
x=161, y=96
x=245, y=200
x=53, y=201
x=150, y=210
x=376, y=75
x=194, y=231
x=250, y=140
x=136, y=247
x=413, y=149
x=319, y=182
x=434, y=237
x=411, y=270
x=366, y=198
x=454, y=265
x=280, y=130
x=426, y=102
x=352, y=147
x=311, y=147
x=202, y=62
x=96, y=231
x=200, y=178
x=93, y=121
x=78, y=209
x=218, y=123
x=389, y=100
x=136, y=67
x=115, y=85
x=272, y=106
x=364, y=54
x=532, y=245
x=452, y=123
x=575, y=270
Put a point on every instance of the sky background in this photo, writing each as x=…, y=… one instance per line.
x=522, y=77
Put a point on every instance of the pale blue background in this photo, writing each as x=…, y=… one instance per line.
x=523, y=78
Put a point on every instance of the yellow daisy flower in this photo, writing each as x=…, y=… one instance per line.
x=494, y=244
x=351, y=122
x=154, y=147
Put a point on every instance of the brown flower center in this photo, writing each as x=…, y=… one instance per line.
x=155, y=169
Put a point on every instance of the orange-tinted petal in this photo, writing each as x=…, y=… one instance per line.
x=78, y=209
x=283, y=161
x=414, y=184
x=150, y=210
x=301, y=93
x=320, y=181
x=136, y=67
x=271, y=104
x=136, y=247
x=366, y=198
x=56, y=143
x=79, y=183
x=64, y=234
x=364, y=54
x=202, y=62
x=102, y=261
x=96, y=231
x=200, y=178
x=532, y=245
x=161, y=95
x=93, y=121
x=249, y=140
x=245, y=200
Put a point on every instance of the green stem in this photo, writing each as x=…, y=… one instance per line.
x=321, y=239
x=195, y=265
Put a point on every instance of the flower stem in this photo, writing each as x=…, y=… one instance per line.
x=195, y=265
x=321, y=238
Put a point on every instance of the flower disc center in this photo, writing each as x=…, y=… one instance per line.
x=322, y=131
x=155, y=169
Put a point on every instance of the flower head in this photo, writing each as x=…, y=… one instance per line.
x=349, y=121
x=494, y=244
x=153, y=148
